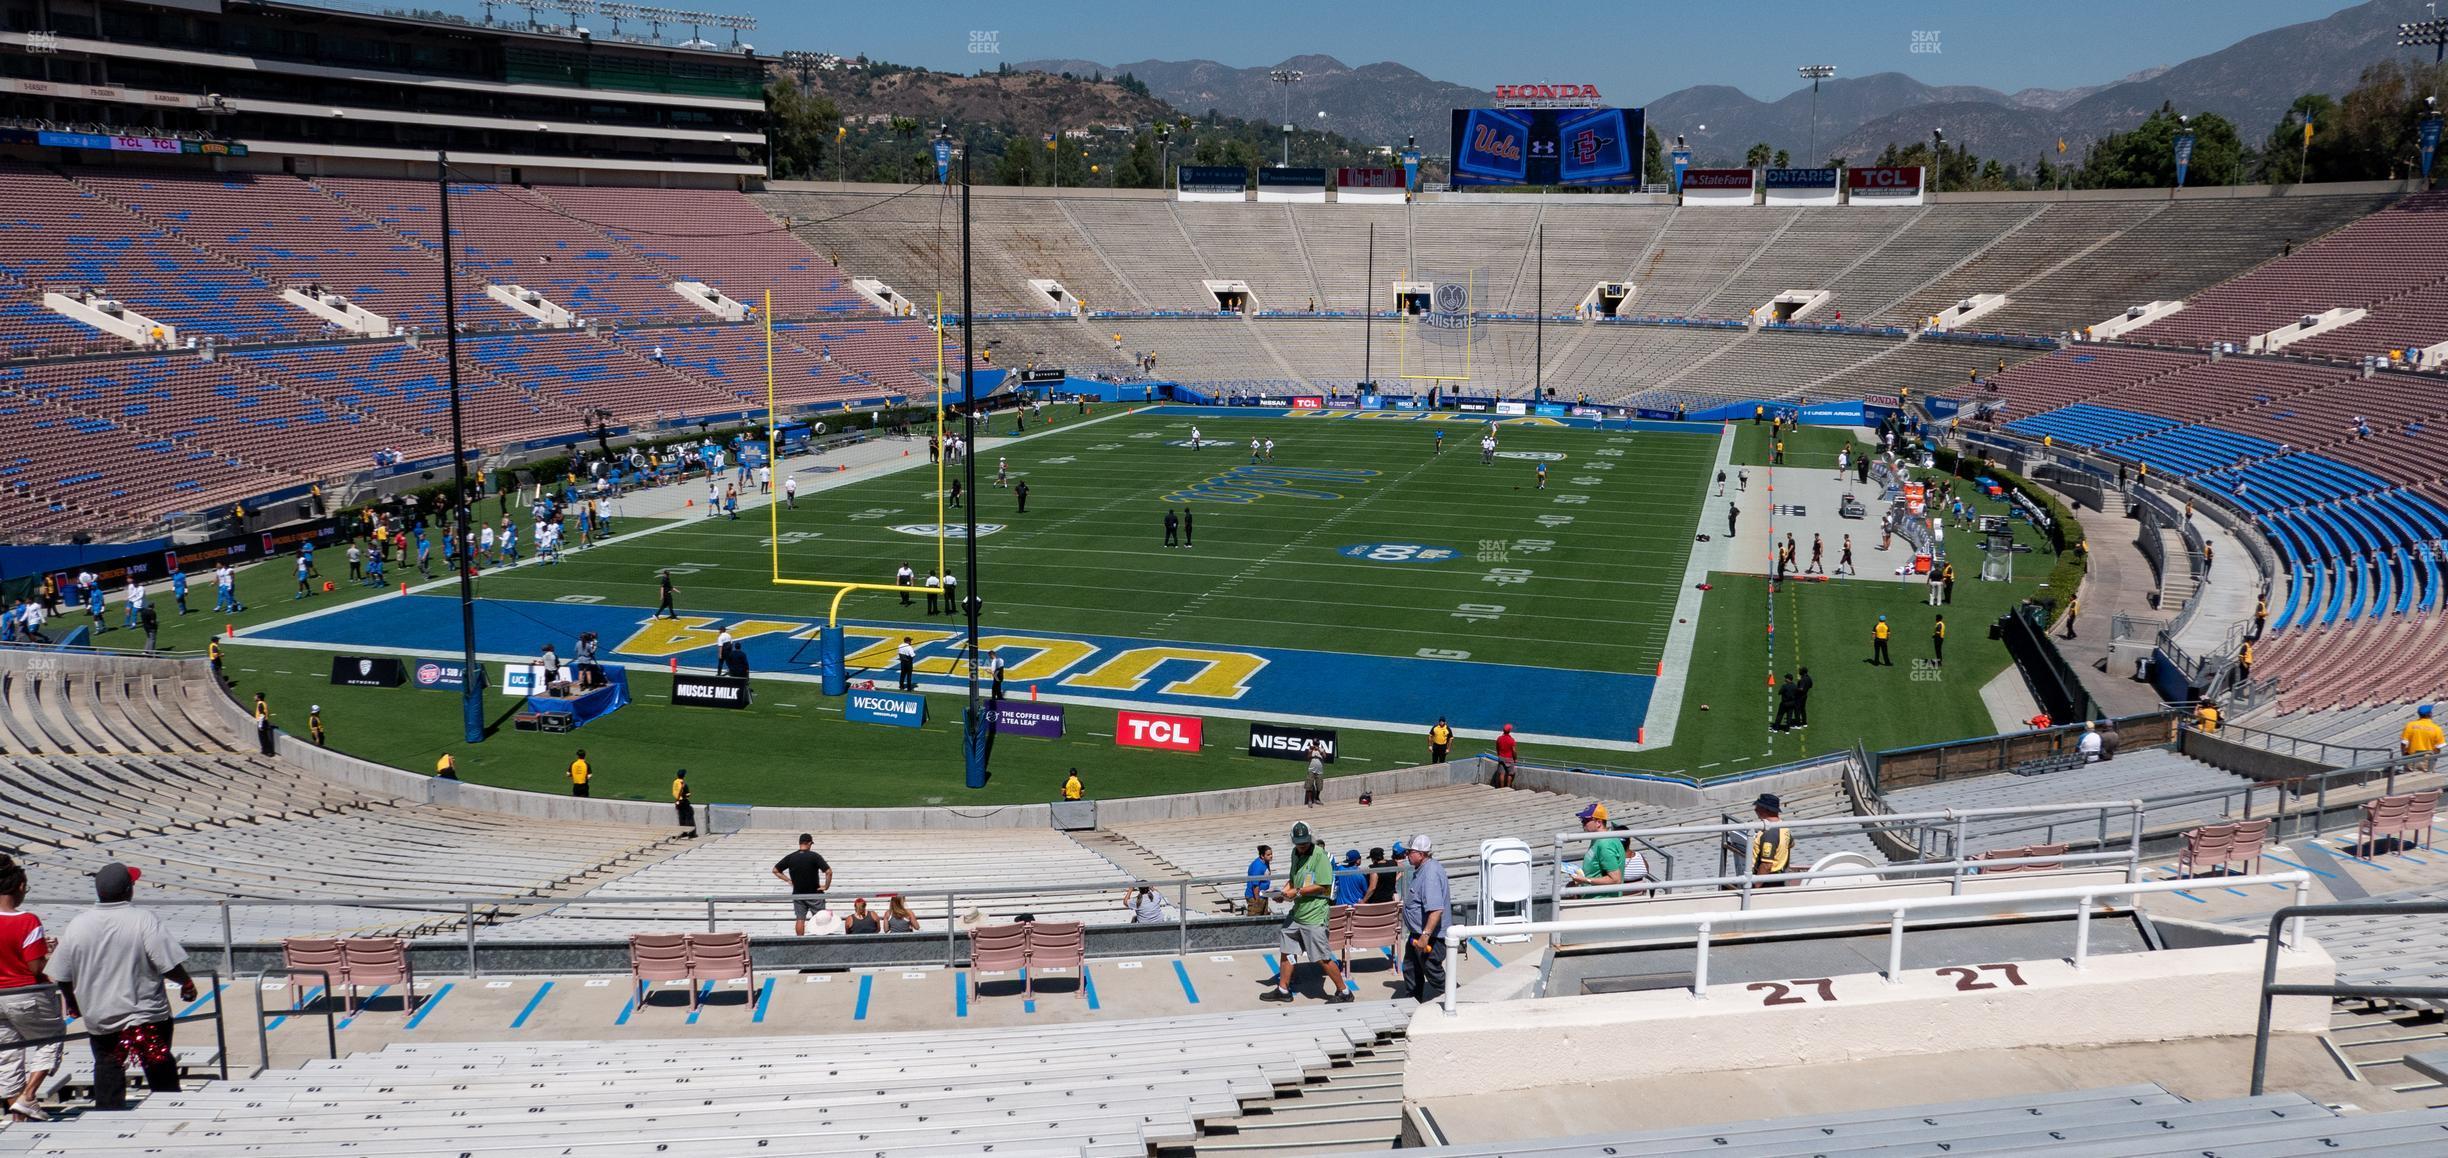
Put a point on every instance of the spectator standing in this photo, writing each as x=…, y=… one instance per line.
x=1314, y=787
x=1507, y=748
x=29, y=1008
x=2073, y=607
x=2421, y=738
x=1878, y=644
x=1308, y=889
x=110, y=964
x=1426, y=905
x=907, y=653
x=1254, y=893
x=809, y=877
x=263, y=724
x=1440, y=740
x=1801, y=693
x=1772, y=844
x=682, y=809
x=1938, y=641
x=1189, y=527
x=151, y=621
x=580, y=775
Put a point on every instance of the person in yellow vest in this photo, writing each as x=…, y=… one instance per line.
x=1772, y=844
x=212, y=652
x=2206, y=718
x=2073, y=608
x=579, y=774
x=1072, y=788
x=681, y=807
x=2048, y=442
x=1440, y=741
x=1878, y=644
x=1938, y=642
x=2244, y=661
x=2260, y=616
x=263, y=724
x=2421, y=738
x=446, y=768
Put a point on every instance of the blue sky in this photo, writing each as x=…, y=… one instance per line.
x=1633, y=51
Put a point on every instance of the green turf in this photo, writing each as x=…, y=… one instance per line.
x=1813, y=446
x=1595, y=592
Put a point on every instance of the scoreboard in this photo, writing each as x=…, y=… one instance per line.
x=1519, y=146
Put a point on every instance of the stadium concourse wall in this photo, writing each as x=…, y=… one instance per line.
x=1484, y=197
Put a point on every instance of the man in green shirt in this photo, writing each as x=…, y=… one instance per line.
x=1309, y=889
x=1603, y=864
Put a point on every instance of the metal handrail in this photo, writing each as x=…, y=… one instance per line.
x=263, y=1036
x=213, y=995
x=2284, y=787
x=2271, y=989
x=2295, y=744
x=1703, y=925
x=1744, y=883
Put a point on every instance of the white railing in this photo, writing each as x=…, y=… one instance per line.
x=1703, y=926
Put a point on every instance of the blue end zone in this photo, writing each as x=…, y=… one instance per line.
x=1455, y=417
x=1398, y=693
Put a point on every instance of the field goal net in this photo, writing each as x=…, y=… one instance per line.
x=1437, y=332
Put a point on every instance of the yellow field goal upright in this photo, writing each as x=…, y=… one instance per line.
x=831, y=652
x=1437, y=325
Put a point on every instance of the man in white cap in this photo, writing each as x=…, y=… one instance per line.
x=1309, y=890
x=1426, y=905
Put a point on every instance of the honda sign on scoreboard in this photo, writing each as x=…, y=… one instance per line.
x=1884, y=185
x=1717, y=186
x=1155, y=730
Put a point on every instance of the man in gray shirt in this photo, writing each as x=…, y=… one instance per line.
x=1427, y=905
x=110, y=965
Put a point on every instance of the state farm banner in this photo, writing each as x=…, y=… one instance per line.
x=1370, y=186
x=1716, y=186
x=1884, y=185
x=1800, y=186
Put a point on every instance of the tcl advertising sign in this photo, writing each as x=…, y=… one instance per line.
x=1308, y=402
x=1884, y=185
x=1151, y=730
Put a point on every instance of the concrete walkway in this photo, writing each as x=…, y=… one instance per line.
x=2120, y=582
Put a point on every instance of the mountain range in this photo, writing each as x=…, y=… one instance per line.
x=2250, y=82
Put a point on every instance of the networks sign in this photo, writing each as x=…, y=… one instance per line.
x=1801, y=186
x=1884, y=185
x=1212, y=182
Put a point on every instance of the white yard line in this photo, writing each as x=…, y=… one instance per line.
x=1666, y=696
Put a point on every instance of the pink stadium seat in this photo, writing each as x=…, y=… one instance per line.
x=379, y=961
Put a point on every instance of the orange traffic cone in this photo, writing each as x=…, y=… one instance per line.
x=403, y=587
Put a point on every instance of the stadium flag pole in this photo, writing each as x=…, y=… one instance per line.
x=1368, y=306
x=975, y=730
x=773, y=510
x=471, y=689
x=940, y=563
x=1538, y=323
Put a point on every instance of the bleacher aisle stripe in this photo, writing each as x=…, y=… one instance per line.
x=521, y=1021
x=418, y=1017
x=764, y=995
x=304, y=1003
x=628, y=1007
x=698, y=1006
x=866, y=986
x=1088, y=986
x=960, y=993
x=196, y=1004
x=371, y=998
x=2305, y=867
x=1183, y=971
x=1028, y=1003
x=1480, y=947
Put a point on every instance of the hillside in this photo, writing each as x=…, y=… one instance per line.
x=1375, y=104
x=1033, y=101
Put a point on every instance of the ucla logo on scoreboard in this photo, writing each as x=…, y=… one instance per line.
x=1400, y=553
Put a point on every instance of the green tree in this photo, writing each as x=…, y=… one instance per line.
x=803, y=125
x=1015, y=167
x=1757, y=156
x=2145, y=156
x=1653, y=159
x=1782, y=160
x=2285, y=158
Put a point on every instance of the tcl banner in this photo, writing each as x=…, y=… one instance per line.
x=1308, y=402
x=1151, y=730
x=1359, y=186
x=1884, y=185
x=1716, y=186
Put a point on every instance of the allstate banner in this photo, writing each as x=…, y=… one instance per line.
x=899, y=709
x=1546, y=147
x=2184, y=156
x=1883, y=185
x=1800, y=186
x=1212, y=182
x=2428, y=135
x=1717, y=186
x=1282, y=184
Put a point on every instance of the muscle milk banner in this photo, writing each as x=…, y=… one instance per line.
x=1716, y=186
x=1800, y=186
x=1367, y=186
x=1884, y=185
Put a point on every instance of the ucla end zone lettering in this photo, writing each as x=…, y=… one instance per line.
x=1244, y=484
x=1392, y=691
x=1400, y=553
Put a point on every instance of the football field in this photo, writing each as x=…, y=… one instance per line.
x=1360, y=576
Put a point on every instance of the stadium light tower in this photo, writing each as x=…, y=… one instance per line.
x=1284, y=79
x=1816, y=73
x=2434, y=32
x=1938, y=159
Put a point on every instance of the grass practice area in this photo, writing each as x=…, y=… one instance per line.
x=1361, y=579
